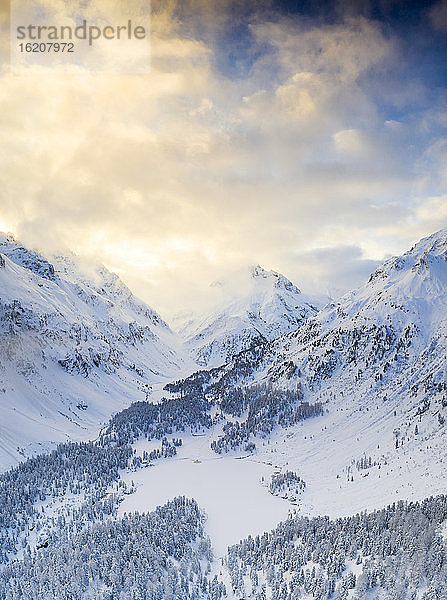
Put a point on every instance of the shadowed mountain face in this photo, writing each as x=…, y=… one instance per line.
x=76, y=345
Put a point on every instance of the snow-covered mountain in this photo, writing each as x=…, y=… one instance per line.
x=344, y=415
x=387, y=334
x=76, y=345
x=377, y=361
x=255, y=306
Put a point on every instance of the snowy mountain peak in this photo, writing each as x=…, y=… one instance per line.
x=277, y=280
x=256, y=306
x=24, y=257
x=258, y=271
x=7, y=237
x=435, y=244
x=422, y=259
x=76, y=345
x=430, y=256
x=377, y=362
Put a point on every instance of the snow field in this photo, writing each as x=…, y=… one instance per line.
x=228, y=489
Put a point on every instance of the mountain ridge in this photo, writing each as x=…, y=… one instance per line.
x=266, y=305
x=76, y=347
x=376, y=360
x=343, y=417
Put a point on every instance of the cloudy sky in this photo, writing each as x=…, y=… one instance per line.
x=308, y=137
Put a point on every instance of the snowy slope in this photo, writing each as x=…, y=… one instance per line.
x=255, y=306
x=383, y=337
x=377, y=360
x=75, y=347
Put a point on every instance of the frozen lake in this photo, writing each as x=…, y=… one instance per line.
x=228, y=489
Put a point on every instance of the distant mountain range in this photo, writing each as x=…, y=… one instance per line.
x=77, y=346
x=315, y=419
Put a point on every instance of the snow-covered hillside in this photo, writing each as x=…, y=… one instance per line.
x=344, y=415
x=377, y=361
x=75, y=347
x=255, y=306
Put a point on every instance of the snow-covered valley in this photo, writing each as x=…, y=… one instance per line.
x=341, y=415
x=229, y=489
x=233, y=489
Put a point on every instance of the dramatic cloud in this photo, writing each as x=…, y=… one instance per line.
x=291, y=147
x=332, y=270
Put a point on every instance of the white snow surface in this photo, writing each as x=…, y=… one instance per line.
x=227, y=488
x=377, y=359
x=76, y=346
x=254, y=306
x=321, y=450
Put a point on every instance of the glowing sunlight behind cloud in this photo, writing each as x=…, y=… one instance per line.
x=302, y=144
